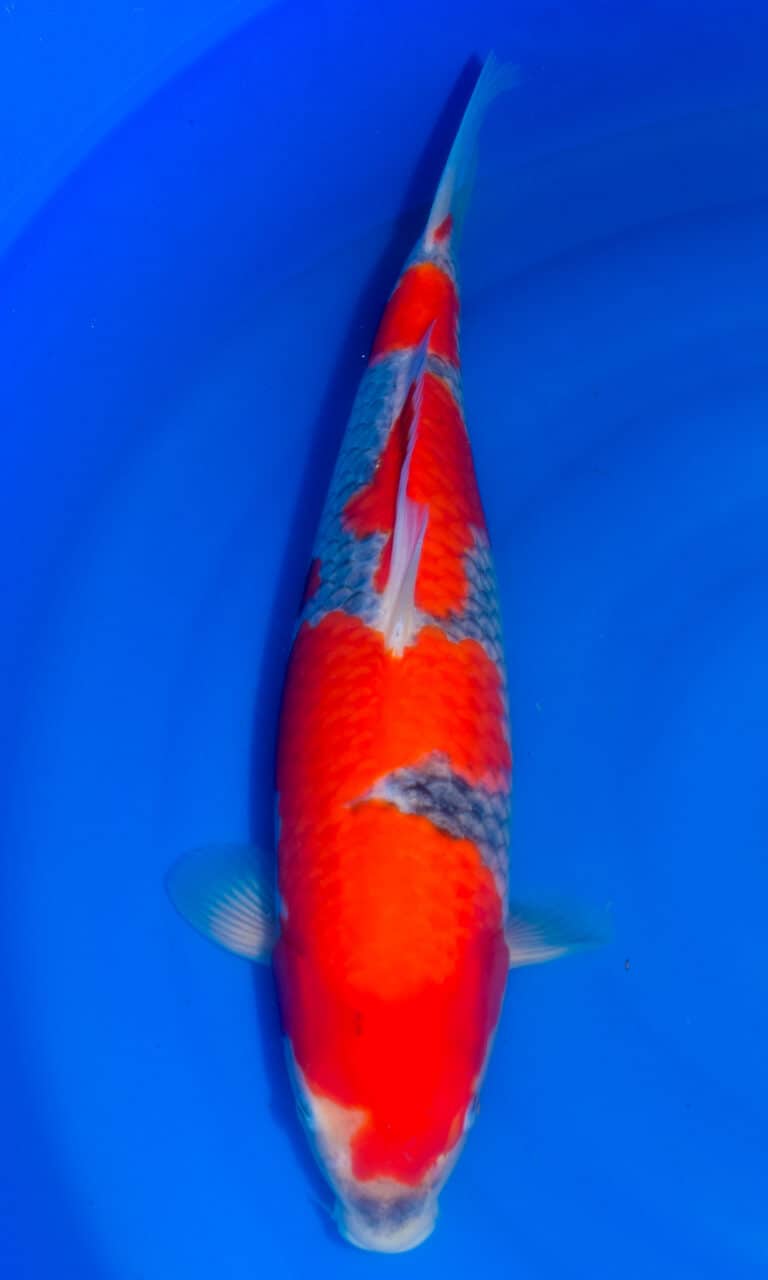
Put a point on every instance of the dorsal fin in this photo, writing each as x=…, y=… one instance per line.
x=399, y=619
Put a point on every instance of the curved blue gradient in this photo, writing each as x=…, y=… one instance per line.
x=185, y=306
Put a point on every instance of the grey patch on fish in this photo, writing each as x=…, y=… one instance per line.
x=480, y=618
x=348, y=563
x=453, y=805
x=347, y=567
x=449, y=374
x=377, y=402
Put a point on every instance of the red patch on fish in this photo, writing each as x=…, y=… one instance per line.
x=425, y=295
x=353, y=712
x=443, y=231
x=392, y=959
x=408, y=1062
x=441, y=478
x=372, y=509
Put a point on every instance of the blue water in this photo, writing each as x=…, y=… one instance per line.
x=182, y=325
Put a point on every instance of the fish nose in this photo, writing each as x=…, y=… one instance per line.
x=387, y=1225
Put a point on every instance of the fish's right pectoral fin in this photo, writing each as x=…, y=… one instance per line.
x=227, y=893
x=537, y=936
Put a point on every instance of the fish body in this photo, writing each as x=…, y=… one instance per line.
x=390, y=929
x=393, y=777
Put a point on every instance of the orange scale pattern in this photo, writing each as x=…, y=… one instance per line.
x=392, y=961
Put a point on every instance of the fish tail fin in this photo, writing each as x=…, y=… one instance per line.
x=450, y=203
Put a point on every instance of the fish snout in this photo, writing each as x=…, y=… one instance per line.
x=387, y=1225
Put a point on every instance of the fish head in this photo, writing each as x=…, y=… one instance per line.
x=380, y=1214
x=386, y=1219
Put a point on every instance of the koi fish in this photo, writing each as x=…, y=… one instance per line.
x=390, y=930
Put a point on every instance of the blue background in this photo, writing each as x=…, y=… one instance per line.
x=202, y=209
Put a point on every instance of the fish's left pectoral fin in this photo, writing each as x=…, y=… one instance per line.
x=537, y=936
x=227, y=893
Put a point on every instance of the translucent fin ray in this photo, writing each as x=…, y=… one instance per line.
x=456, y=182
x=536, y=937
x=226, y=893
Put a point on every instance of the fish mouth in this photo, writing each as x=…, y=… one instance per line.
x=392, y=1225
